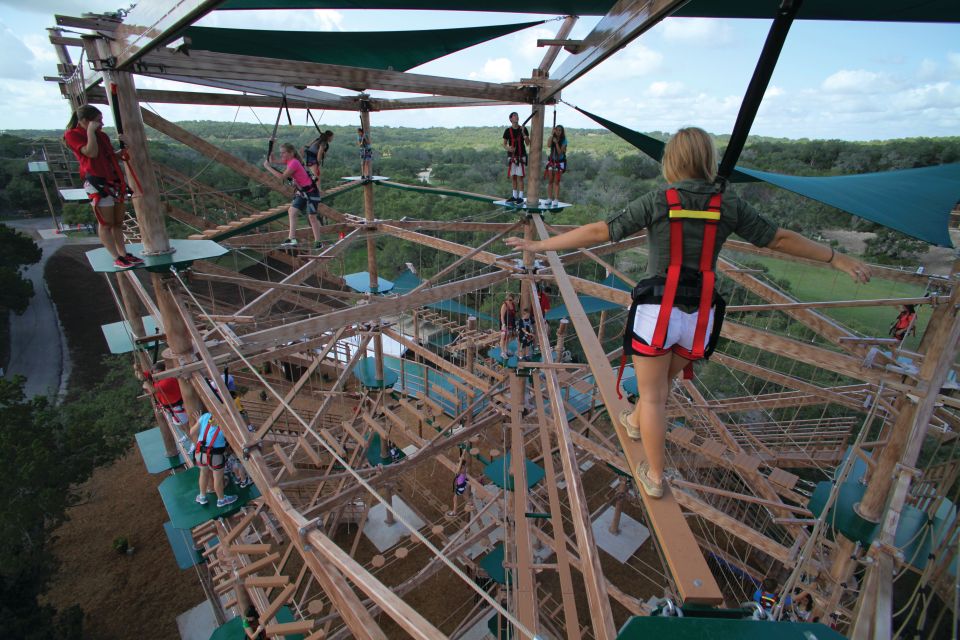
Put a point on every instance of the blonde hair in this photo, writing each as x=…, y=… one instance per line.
x=690, y=154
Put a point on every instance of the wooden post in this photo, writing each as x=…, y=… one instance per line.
x=561, y=334
x=178, y=339
x=141, y=176
x=526, y=590
x=46, y=193
x=471, y=358
x=535, y=155
x=388, y=494
x=618, y=507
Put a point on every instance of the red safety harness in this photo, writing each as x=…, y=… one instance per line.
x=516, y=157
x=208, y=451
x=665, y=290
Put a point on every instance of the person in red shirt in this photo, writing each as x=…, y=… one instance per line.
x=102, y=180
x=167, y=394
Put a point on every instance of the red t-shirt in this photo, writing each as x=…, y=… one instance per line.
x=168, y=391
x=102, y=166
x=544, y=300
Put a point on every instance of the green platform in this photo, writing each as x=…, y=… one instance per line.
x=181, y=542
x=150, y=443
x=233, y=630
x=498, y=472
x=643, y=628
x=179, y=491
x=118, y=335
x=492, y=563
x=360, y=282
x=842, y=517
x=373, y=453
x=439, y=191
x=187, y=252
x=366, y=372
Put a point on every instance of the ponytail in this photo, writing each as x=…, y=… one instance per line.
x=83, y=112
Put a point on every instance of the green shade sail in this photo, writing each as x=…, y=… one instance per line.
x=408, y=281
x=916, y=202
x=396, y=50
x=865, y=10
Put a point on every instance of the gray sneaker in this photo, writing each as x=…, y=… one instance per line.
x=201, y=499
x=289, y=242
x=225, y=500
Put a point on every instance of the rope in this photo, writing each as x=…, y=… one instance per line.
x=360, y=480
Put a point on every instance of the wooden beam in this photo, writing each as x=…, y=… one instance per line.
x=151, y=23
x=626, y=20
x=558, y=42
x=239, y=67
x=694, y=580
x=215, y=153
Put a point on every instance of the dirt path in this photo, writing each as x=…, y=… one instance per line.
x=137, y=596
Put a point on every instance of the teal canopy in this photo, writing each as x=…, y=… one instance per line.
x=408, y=281
x=396, y=50
x=916, y=202
x=882, y=10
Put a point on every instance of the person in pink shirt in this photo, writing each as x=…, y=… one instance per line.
x=307, y=195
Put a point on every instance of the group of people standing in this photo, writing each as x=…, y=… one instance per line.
x=516, y=137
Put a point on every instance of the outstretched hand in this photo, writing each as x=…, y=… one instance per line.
x=856, y=269
x=521, y=244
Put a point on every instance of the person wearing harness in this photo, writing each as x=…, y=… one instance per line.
x=676, y=313
x=515, y=139
x=316, y=152
x=508, y=324
x=556, y=164
x=525, y=335
x=366, y=153
x=460, y=483
x=102, y=180
x=166, y=393
x=905, y=323
x=307, y=194
x=210, y=455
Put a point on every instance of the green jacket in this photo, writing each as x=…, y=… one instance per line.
x=650, y=212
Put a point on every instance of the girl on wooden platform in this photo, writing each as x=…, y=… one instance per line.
x=102, y=180
x=366, y=154
x=508, y=324
x=676, y=313
x=556, y=164
x=515, y=139
x=307, y=194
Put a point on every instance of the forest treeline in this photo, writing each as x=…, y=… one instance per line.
x=605, y=173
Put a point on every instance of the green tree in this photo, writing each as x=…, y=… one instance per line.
x=16, y=250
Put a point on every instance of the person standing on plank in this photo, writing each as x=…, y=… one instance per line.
x=316, y=152
x=210, y=454
x=515, y=139
x=366, y=154
x=306, y=198
x=556, y=164
x=102, y=180
x=676, y=313
x=508, y=324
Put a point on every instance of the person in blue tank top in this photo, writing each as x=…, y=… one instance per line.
x=210, y=455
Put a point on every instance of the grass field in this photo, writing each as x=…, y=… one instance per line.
x=810, y=283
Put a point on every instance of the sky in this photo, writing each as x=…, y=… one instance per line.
x=845, y=80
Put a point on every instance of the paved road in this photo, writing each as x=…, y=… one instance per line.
x=38, y=348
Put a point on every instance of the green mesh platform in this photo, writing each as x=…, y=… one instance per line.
x=373, y=453
x=841, y=516
x=187, y=252
x=179, y=491
x=360, y=282
x=689, y=628
x=181, y=542
x=498, y=472
x=438, y=191
x=366, y=372
x=540, y=207
x=233, y=629
x=150, y=443
x=118, y=335
x=492, y=563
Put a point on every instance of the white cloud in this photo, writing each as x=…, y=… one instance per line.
x=294, y=21
x=927, y=69
x=16, y=60
x=665, y=89
x=954, y=59
x=495, y=70
x=773, y=91
x=705, y=31
x=856, y=81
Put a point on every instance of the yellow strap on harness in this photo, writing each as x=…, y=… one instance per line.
x=697, y=215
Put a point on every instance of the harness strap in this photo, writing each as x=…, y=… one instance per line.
x=623, y=364
x=673, y=271
x=708, y=277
